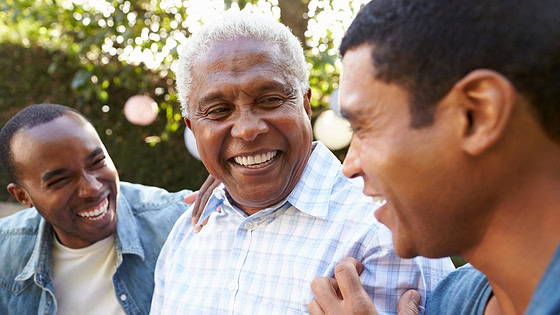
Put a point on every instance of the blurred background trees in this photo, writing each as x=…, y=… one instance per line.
x=94, y=55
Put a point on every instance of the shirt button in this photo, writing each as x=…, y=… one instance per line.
x=250, y=226
x=123, y=297
x=231, y=286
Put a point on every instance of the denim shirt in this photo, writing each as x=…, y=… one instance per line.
x=145, y=217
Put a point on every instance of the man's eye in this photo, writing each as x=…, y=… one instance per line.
x=218, y=110
x=57, y=181
x=272, y=101
x=99, y=162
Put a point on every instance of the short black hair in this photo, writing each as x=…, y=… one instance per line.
x=27, y=118
x=426, y=46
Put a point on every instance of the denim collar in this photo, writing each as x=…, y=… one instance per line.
x=127, y=242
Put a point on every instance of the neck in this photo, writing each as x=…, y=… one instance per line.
x=521, y=238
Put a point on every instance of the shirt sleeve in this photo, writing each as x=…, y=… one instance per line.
x=165, y=258
x=386, y=277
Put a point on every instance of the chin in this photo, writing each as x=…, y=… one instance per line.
x=404, y=248
x=405, y=252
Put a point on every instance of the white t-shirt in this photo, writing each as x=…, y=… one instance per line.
x=83, y=278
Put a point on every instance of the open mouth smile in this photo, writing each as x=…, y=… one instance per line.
x=379, y=201
x=97, y=212
x=256, y=160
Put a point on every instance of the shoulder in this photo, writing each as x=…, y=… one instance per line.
x=24, y=222
x=464, y=291
x=152, y=208
x=145, y=198
x=546, y=299
x=348, y=201
x=146, y=215
x=18, y=234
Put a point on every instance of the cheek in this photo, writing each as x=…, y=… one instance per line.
x=210, y=144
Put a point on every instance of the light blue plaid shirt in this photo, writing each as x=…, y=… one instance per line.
x=264, y=263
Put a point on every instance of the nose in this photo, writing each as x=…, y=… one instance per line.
x=90, y=186
x=351, y=167
x=248, y=126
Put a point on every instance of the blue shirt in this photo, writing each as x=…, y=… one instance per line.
x=546, y=299
x=264, y=263
x=467, y=291
x=145, y=215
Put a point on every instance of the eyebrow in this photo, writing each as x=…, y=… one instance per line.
x=266, y=87
x=94, y=153
x=50, y=174
x=210, y=98
x=274, y=86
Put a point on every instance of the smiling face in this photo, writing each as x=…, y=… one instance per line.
x=66, y=174
x=420, y=172
x=251, y=122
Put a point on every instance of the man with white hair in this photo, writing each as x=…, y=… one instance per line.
x=285, y=214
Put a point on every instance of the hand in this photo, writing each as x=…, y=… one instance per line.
x=200, y=198
x=345, y=294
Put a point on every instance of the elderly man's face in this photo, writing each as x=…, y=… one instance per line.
x=251, y=122
x=418, y=171
x=66, y=173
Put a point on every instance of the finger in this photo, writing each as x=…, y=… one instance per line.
x=197, y=211
x=347, y=275
x=199, y=227
x=204, y=195
x=353, y=262
x=314, y=308
x=326, y=294
x=408, y=304
x=190, y=198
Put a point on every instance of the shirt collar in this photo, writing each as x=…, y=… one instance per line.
x=127, y=242
x=310, y=195
x=40, y=260
x=128, y=237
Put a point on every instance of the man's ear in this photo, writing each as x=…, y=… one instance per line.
x=20, y=194
x=307, y=102
x=487, y=99
x=188, y=122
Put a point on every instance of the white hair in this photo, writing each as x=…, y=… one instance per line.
x=240, y=25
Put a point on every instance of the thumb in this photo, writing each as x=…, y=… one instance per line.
x=347, y=274
x=408, y=304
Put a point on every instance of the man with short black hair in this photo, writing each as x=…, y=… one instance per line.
x=88, y=244
x=455, y=107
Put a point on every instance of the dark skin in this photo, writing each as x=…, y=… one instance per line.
x=200, y=198
x=76, y=175
x=491, y=146
x=251, y=123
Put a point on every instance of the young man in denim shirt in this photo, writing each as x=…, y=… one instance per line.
x=88, y=244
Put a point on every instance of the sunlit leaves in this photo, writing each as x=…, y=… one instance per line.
x=133, y=44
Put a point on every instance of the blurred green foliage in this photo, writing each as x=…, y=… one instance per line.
x=94, y=55
x=25, y=79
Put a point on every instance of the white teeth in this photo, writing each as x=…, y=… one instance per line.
x=254, y=160
x=97, y=213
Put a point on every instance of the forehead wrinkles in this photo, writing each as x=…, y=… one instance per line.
x=236, y=62
x=249, y=72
